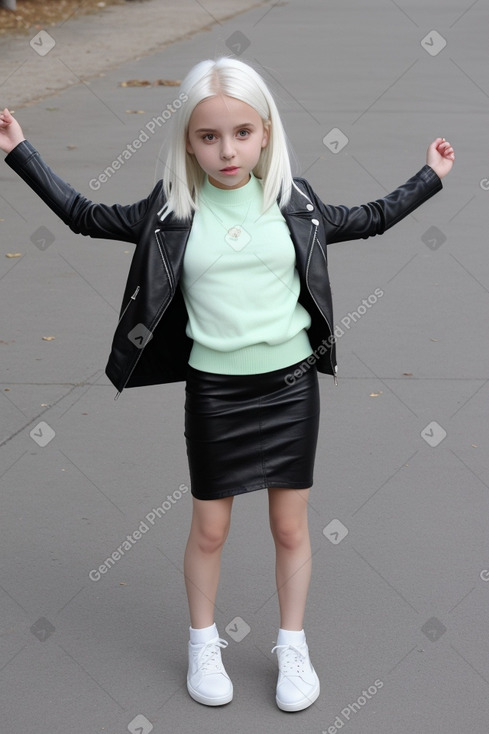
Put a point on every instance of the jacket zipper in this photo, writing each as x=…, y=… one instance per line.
x=133, y=297
x=168, y=273
x=130, y=301
x=315, y=238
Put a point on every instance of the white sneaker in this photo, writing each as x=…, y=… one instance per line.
x=207, y=680
x=298, y=684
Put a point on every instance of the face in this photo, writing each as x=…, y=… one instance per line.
x=226, y=136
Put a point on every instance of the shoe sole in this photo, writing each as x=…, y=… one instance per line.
x=300, y=705
x=209, y=701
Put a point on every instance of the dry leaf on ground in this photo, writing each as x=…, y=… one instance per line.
x=136, y=83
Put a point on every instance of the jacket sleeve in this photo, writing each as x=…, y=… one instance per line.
x=80, y=214
x=343, y=223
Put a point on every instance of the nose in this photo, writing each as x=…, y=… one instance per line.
x=227, y=148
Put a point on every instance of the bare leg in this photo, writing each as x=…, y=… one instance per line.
x=289, y=526
x=202, y=563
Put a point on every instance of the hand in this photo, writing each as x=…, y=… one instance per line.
x=440, y=157
x=10, y=132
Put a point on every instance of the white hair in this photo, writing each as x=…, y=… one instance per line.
x=183, y=177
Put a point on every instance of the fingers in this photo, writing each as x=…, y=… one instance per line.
x=6, y=117
x=444, y=148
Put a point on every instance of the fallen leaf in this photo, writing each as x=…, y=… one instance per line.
x=122, y=583
x=147, y=83
x=407, y=374
x=375, y=394
x=475, y=445
x=136, y=83
x=434, y=340
x=71, y=147
x=167, y=82
x=13, y=254
x=48, y=338
x=135, y=112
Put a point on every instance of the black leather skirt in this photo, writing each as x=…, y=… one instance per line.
x=249, y=432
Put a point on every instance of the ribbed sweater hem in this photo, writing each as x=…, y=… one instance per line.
x=252, y=360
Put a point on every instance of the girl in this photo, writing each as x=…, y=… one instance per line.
x=228, y=289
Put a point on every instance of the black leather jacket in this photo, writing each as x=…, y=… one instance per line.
x=150, y=345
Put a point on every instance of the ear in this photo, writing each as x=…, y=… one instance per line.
x=266, y=133
x=188, y=145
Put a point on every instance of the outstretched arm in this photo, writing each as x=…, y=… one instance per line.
x=119, y=222
x=350, y=223
x=10, y=131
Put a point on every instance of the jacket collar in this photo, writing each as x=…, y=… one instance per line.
x=299, y=214
x=299, y=205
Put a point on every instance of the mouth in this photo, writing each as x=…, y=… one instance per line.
x=229, y=169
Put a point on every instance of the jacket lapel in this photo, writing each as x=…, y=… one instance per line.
x=301, y=228
x=173, y=235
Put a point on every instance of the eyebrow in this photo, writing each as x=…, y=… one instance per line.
x=212, y=130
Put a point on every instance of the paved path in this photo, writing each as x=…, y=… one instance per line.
x=46, y=60
x=397, y=618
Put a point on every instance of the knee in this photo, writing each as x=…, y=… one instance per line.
x=290, y=533
x=211, y=537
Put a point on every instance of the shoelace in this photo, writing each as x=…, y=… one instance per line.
x=292, y=659
x=209, y=658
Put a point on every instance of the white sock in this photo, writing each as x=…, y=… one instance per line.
x=291, y=637
x=202, y=634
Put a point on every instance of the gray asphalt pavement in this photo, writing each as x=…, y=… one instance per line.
x=397, y=619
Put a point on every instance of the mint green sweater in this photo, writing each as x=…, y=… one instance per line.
x=240, y=285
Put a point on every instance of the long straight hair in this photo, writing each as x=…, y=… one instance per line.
x=183, y=177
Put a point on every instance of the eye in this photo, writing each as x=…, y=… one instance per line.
x=243, y=133
x=207, y=137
